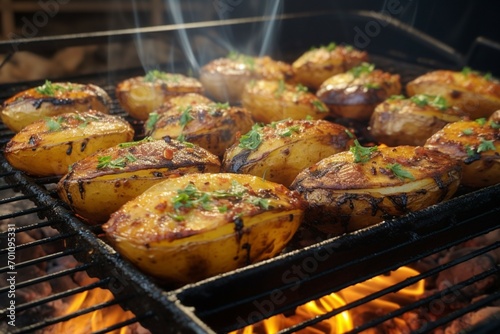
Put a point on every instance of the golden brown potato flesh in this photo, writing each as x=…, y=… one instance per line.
x=100, y=184
x=364, y=186
x=225, y=78
x=271, y=101
x=495, y=117
x=411, y=121
x=318, y=64
x=356, y=93
x=141, y=95
x=48, y=147
x=478, y=95
x=279, y=151
x=213, y=126
x=476, y=145
x=200, y=225
x=50, y=99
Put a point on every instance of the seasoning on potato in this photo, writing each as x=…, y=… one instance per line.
x=355, y=93
x=51, y=99
x=476, y=94
x=270, y=101
x=139, y=96
x=100, y=184
x=225, y=78
x=49, y=146
x=411, y=121
x=200, y=225
x=476, y=145
x=213, y=126
x=314, y=66
x=366, y=185
x=280, y=150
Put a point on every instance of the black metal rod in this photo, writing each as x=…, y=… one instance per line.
x=125, y=323
x=14, y=199
x=38, y=242
x=66, y=252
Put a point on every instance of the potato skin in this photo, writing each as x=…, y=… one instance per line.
x=286, y=148
x=212, y=126
x=139, y=96
x=201, y=241
x=270, y=101
x=313, y=67
x=476, y=145
x=345, y=196
x=52, y=99
x=401, y=121
x=94, y=191
x=225, y=78
x=48, y=147
x=473, y=93
x=355, y=96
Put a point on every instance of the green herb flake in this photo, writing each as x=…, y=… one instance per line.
x=396, y=97
x=252, y=139
x=471, y=152
x=372, y=85
x=361, y=69
x=54, y=124
x=151, y=122
x=468, y=132
x=288, y=132
x=319, y=106
x=301, y=88
x=362, y=154
x=495, y=125
x=349, y=133
x=106, y=162
x=260, y=202
x=135, y=143
x=186, y=116
x=349, y=48
x=488, y=76
x=399, y=172
x=220, y=105
x=481, y=121
x=437, y=102
x=130, y=157
x=246, y=60
x=466, y=70
x=281, y=88
x=154, y=75
x=485, y=145
x=49, y=88
x=331, y=46
x=222, y=209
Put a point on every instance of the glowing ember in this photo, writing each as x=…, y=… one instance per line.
x=343, y=322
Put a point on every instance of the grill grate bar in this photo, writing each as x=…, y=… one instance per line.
x=48, y=277
x=42, y=324
x=40, y=259
x=24, y=212
x=41, y=241
x=130, y=321
x=63, y=294
x=15, y=199
x=399, y=286
x=36, y=225
x=9, y=186
x=424, y=301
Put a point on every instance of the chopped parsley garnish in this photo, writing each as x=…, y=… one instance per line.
x=485, y=145
x=107, y=162
x=288, y=132
x=362, y=154
x=396, y=97
x=320, y=106
x=184, y=120
x=151, y=122
x=135, y=143
x=54, y=124
x=467, y=131
x=349, y=133
x=246, y=60
x=252, y=139
x=190, y=197
x=348, y=48
x=371, y=85
x=495, y=125
x=301, y=88
x=488, y=76
x=220, y=105
x=481, y=121
x=437, y=102
x=471, y=152
x=399, y=172
x=330, y=47
x=50, y=89
x=466, y=70
x=281, y=88
x=361, y=69
x=154, y=75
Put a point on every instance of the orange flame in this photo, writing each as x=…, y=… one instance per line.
x=343, y=322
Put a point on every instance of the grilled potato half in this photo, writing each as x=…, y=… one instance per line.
x=100, y=184
x=476, y=144
x=355, y=93
x=478, y=95
x=213, y=126
x=50, y=99
x=48, y=147
x=271, y=101
x=279, y=151
x=411, y=121
x=225, y=78
x=352, y=190
x=313, y=67
x=141, y=95
x=199, y=225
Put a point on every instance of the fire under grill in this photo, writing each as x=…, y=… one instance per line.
x=56, y=257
